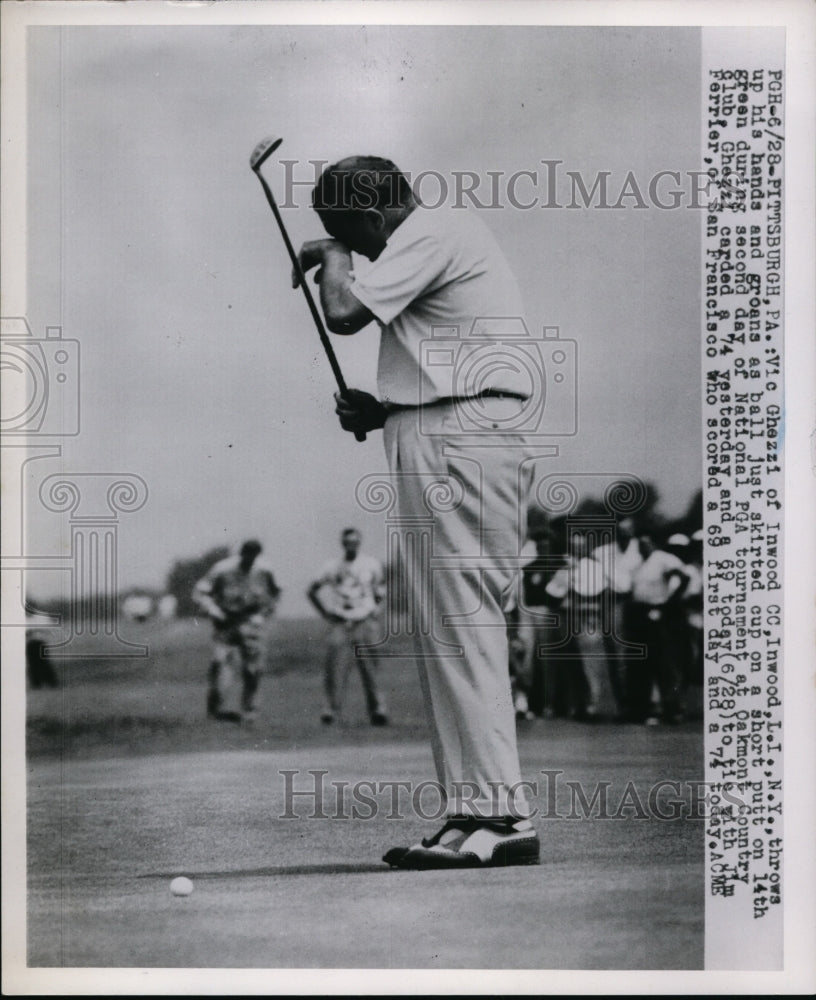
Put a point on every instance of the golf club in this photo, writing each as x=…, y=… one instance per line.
x=260, y=154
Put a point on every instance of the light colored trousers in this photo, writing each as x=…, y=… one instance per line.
x=341, y=651
x=474, y=525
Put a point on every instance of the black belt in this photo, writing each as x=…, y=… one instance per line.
x=446, y=400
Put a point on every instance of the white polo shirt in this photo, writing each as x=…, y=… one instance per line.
x=621, y=566
x=657, y=578
x=583, y=577
x=442, y=268
x=352, y=588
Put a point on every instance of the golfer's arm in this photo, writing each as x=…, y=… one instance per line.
x=344, y=312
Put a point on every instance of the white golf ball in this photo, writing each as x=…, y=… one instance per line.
x=181, y=886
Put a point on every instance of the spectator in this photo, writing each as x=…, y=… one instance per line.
x=347, y=593
x=620, y=560
x=580, y=588
x=547, y=665
x=658, y=622
x=238, y=594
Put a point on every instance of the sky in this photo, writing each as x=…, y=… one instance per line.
x=150, y=243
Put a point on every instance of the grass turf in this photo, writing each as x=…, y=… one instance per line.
x=129, y=784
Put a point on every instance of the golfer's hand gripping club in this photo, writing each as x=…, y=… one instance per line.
x=260, y=154
x=359, y=411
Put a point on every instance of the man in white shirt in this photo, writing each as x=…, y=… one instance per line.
x=621, y=557
x=239, y=594
x=347, y=593
x=419, y=270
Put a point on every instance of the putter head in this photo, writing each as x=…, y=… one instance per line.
x=265, y=148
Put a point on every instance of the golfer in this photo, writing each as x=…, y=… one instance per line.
x=417, y=271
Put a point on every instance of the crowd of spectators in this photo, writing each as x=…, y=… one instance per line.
x=607, y=624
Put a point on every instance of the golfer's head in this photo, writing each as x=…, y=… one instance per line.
x=361, y=200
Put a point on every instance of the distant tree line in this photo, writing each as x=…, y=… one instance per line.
x=185, y=573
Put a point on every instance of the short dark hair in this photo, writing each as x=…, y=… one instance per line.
x=350, y=531
x=360, y=182
x=252, y=545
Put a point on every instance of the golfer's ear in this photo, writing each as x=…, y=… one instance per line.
x=375, y=219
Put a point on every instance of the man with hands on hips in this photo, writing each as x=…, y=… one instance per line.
x=348, y=593
x=423, y=269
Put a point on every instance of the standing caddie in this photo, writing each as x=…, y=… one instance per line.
x=348, y=593
x=448, y=418
x=239, y=594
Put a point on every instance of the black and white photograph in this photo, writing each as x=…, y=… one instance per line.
x=407, y=556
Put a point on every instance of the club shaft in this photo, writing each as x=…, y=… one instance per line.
x=324, y=337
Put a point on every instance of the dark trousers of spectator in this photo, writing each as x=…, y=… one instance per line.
x=695, y=672
x=663, y=630
x=553, y=678
x=619, y=649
